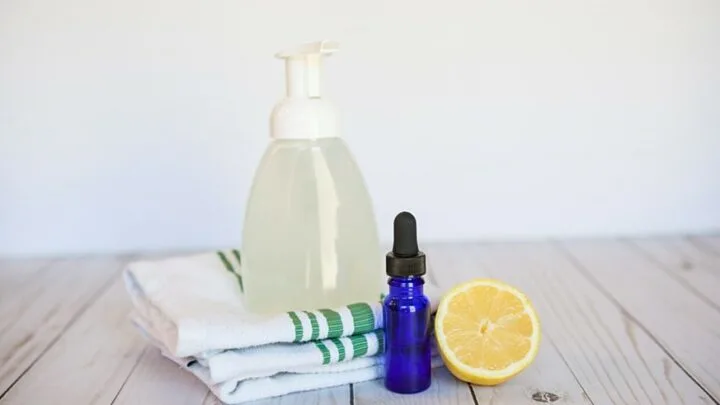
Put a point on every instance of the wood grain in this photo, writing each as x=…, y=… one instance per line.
x=614, y=360
x=38, y=311
x=685, y=325
x=16, y=272
x=90, y=362
x=339, y=395
x=548, y=376
x=445, y=389
x=693, y=267
x=710, y=243
x=159, y=381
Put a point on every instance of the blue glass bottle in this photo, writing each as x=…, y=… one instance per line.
x=406, y=311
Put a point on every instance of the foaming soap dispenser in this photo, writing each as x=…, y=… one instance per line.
x=310, y=237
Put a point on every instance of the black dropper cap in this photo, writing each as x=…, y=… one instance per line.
x=406, y=259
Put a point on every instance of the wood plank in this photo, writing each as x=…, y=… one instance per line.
x=685, y=325
x=90, y=361
x=159, y=381
x=37, y=312
x=612, y=357
x=339, y=395
x=711, y=243
x=445, y=390
x=693, y=267
x=15, y=272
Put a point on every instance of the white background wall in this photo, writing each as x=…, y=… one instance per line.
x=137, y=124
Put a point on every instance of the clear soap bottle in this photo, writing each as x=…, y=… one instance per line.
x=310, y=237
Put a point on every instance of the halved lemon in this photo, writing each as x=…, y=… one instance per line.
x=487, y=331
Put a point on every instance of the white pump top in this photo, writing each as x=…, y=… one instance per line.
x=303, y=113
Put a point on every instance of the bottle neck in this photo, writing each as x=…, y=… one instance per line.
x=406, y=286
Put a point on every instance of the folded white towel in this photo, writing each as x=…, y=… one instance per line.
x=262, y=361
x=193, y=304
x=236, y=391
x=191, y=307
x=274, y=381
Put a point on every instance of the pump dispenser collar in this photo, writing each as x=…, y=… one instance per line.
x=405, y=260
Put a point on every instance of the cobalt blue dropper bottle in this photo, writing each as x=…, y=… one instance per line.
x=406, y=311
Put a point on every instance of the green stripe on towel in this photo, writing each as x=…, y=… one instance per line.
x=229, y=267
x=334, y=322
x=340, y=348
x=236, y=253
x=226, y=262
x=298, y=326
x=363, y=317
x=314, y=324
x=325, y=352
x=359, y=345
x=380, y=333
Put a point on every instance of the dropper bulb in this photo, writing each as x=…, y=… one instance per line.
x=405, y=235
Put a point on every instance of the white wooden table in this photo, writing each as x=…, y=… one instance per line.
x=624, y=322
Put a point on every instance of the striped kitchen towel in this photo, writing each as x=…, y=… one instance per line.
x=239, y=390
x=260, y=361
x=235, y=391
x=240, y=375
x=193, y=306
x=271, y=359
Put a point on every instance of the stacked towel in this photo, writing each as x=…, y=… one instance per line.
x=191, y=308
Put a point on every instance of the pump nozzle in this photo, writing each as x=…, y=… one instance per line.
x=303, y=67
x=303, y=114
